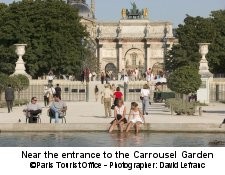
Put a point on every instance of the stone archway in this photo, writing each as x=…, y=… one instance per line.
x=134, y=58
x=111, y=68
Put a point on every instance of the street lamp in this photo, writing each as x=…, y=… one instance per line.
x=165, y=45
x=85, y=68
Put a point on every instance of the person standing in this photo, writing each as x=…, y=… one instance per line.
x=107, y=77
x=126, y=79
x=51, y=92
x=82, y=76
x=46, y=96
x=122, y=74
x=118, y=95
x=107, y=95
x=102, y=77
x=96, y=93
x=58, y=91
x=145, y=93
x=9, y=97
x=136, y=74
x=148, y=75
x=50, y=77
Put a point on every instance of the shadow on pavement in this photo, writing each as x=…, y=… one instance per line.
x=220, y=112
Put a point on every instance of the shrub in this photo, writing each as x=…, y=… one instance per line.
x=17, y=102
x=184, y=80
x=181, y=107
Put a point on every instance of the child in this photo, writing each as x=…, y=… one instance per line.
x=119, y=114
x=135, y=117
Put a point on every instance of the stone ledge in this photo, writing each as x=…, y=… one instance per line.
x=153, y=127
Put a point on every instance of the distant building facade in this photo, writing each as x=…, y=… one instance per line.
x=132, y=42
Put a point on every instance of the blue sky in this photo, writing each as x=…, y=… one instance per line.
x=169, y=10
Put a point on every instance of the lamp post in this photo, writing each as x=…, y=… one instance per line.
x=86, y=70
x=165, y=48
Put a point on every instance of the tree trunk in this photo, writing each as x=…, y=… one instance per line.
x=19, y=98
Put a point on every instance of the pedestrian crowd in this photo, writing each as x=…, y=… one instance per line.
x=111, y=97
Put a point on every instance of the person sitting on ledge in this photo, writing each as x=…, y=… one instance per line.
x=57, y=108
x=119, y=114
x=135, y=117
x=32, y=110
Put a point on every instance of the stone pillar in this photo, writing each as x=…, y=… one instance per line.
x=206, y=76
x=119, y=56
x=99, y=55
x=20, y=64
x=119, y=59
x=148, y=55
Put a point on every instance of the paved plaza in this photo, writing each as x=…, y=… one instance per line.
x=90, y=116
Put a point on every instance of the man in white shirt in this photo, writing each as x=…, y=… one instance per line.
x=32, y=110
x=126, y=79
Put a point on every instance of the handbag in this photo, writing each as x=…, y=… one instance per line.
x=118, y=116
x=141, y=98
x=112, y=107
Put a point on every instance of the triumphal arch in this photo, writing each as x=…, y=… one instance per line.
x=133, y=42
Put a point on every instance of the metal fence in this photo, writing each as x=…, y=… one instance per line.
x=70, y=91
x=217, y=91
x=134, y=90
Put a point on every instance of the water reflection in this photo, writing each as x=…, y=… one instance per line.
x=104, y=139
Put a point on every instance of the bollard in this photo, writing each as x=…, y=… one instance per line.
x=87, y=91
x=217, y=92
x=125, y=91
x=200, y=111
x=171, y=109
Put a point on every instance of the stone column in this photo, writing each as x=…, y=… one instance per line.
x=20, y=64
x=119, y=58
x=206, y=76
x=147, y=53
x=99, y=46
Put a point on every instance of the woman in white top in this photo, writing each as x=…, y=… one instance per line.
x=119, y=114
x=135, y=117
x=148, y=75
x=145, y=93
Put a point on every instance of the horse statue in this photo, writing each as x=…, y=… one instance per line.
x=134, y=13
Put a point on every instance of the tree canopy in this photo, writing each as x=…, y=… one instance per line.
x=3, y=84
x=184, y=80
x=52, y=31
x=199, y=30
x=19, y=82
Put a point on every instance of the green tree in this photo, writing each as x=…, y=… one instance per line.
x=216, y=56
x=19, y=83
x=199, y=30
x=52, y=31
x=184, y=80
x=4, y=82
